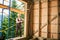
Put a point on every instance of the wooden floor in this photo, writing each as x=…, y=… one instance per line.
x=23, y=38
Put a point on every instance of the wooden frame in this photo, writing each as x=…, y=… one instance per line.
x=12, y=9
x=21, y=12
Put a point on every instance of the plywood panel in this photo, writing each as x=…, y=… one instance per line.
x=36, y=5
x=44, y=5
x=44, y=1
x=44, y=20
x=36, y=12
x=53, y=3
x=36, y=29
x=55, y=21
x=44, y=32
x=44, y=29
x=36, y=19
x=44, y=11
x=54, y=36
x=44, y=17
x=54, y=28
x=54, y=12
x=54, y=18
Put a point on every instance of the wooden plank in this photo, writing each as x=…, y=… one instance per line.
x=16, y=38
x=22, y=1
x=12, y=9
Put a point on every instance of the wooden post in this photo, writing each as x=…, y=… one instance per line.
x=49, y=19
x=40, y=18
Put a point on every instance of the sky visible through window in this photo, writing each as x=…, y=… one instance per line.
x=21, y=7
x=6, y=11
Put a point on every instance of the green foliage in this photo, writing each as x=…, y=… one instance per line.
x=14, y=5
x=11, y=30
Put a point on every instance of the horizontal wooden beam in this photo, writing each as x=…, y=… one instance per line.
x=11, y=9
x=22, y=1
